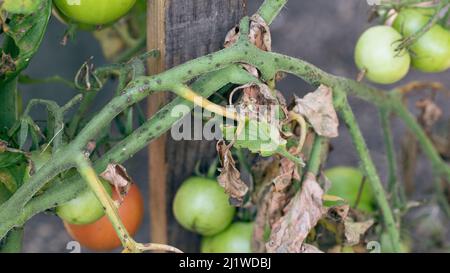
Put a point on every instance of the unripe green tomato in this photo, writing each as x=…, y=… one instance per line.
x=345, y=183
x=66, y=20
x=431, y=52
x=237, y=238
x=201, y=205
x=94, y=12
x=375, y=53
x=83, y=209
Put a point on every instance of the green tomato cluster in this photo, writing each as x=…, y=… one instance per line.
x=376, y=53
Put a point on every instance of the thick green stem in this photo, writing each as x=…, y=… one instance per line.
x=90, y=176
x=270, y=9
x=394, y=185
x=439, y=166
x=153, y=128
x=316, y=156
x=370, y=171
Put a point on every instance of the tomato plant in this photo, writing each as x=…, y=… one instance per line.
x=237, y=238
x=375, y=54
x=200, y=205
x=101, y=235
x=94, y=12
x=270, y=167
x=431, y=52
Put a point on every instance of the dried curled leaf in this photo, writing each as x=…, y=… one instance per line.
x=430, y=113
x=259, y=34
x=230, y=177
x=317, y=107
x=355, y=230
x=301, y=215
x=117, y=176
x=275, y=200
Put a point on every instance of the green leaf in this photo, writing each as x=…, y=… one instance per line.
x=257, y=136
x=8, y=159
x=24, y=35
x=8, y=180
x=21, y=6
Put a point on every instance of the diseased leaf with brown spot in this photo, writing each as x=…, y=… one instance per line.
x=301, y=215
x=355, y=230
x=317, y=107
x=260, y=33
x=271, y=206
x=258, y=102
x=230, y=177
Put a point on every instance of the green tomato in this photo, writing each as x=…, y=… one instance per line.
x=235, y=239
x=94, y=12
x=66, y=20
x=375, y=53
x=431, y=52
x=345, y=183
x=201, y=205
x=83, y=209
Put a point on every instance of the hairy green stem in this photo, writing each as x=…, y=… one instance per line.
x=370, y=171
x=394, y=185
x=315, y=158
x=439, y=166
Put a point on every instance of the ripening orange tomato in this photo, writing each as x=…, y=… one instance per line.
x=100, y=235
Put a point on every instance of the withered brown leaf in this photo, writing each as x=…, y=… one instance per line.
x=301, y=215
x=317, y=107
x=117, y=176
x=354, y=230
x=230, y=177
x=430, y=113
x=275, y=199
x=259, y=34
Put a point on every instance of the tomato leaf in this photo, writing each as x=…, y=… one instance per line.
x=24, y=35
x=257, y=136
x=230, y=177
x=302, y=214
x=8, y=180
x=21, y=6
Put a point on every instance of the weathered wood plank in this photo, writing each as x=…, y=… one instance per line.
x=193, y=28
